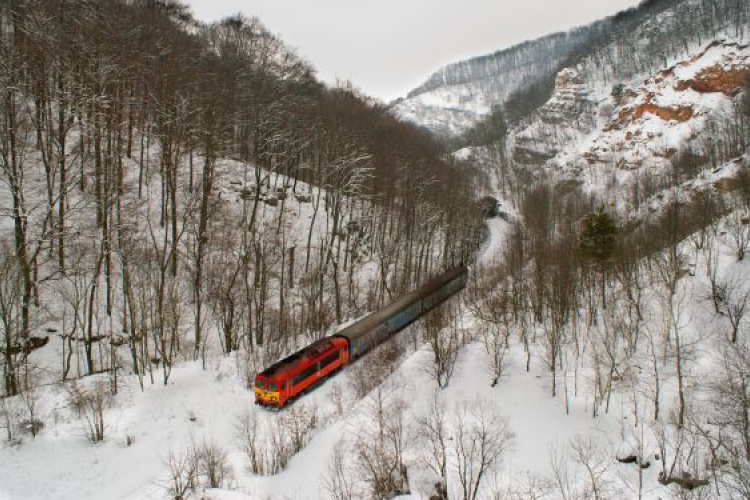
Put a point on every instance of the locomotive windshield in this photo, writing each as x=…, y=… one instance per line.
x=259, y=384
x=272, y=387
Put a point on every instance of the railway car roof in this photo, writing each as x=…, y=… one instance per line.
x=371, y=321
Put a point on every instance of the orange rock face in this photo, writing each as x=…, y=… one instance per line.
x=727, y=77
x=717, y=79
x=727, y=185
x=680, y=114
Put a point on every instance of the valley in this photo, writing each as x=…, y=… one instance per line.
x=183, y=204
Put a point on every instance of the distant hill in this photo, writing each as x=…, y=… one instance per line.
x=459, y=95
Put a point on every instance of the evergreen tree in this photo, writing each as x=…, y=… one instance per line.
x=598, y=236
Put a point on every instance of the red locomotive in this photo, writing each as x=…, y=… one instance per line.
x=296, y=373
x=299, y=372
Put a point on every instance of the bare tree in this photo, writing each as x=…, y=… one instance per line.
x=9, y=412
x=529, y=487
x=249, y=433
x=681, y=451
x=730, y=411
x=675, y=315
x=380, y=447
x=339, y=480
x=91, y=401
x=712, y=253
x=445, y=340
x=213, y=465
x=579, y=469
x=11, y=323
x=28, y=241
x=182, y=470
x=30, y=397
x=561, y=474
x=300, y=422
x=480, y=439
x=491, y=304
x=635, y=434
x=433, y=431
x=594, y=461
x=738, y=231
x=733, y=298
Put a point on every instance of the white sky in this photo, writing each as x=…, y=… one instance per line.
x=388, y=47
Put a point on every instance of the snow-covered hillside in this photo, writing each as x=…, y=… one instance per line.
x=644, y=120
x=183, y=203
x=83, y=439
x=631, y=44
x=629, y=142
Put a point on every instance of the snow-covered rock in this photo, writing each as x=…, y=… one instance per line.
x=601, y=134
x=566, y=117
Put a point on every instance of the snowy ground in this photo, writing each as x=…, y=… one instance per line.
x=202, y=406
x=493, y=246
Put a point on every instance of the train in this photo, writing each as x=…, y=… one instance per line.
x=287, y=379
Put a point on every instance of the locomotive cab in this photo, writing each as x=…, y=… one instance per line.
x=267, y=391
x=298, y=372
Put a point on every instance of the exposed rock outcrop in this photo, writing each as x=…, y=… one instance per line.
x=638, y=123
x=679, y=114
x=716, y=79
x=570, y=113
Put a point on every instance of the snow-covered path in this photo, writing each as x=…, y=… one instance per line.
x=493, y=245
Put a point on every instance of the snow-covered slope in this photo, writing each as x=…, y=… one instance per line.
x=679, y=122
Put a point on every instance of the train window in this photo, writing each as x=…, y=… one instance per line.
x=259, y=384
x=305, y=374
x=272, y=387
x=330, y=359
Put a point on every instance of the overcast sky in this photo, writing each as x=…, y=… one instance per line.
x=388, y=47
